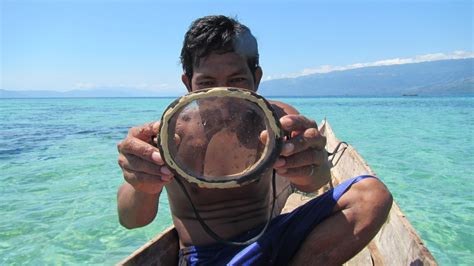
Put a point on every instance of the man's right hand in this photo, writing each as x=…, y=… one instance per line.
x=141, y=162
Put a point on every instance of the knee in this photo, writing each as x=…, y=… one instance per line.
x=374, y=200
x=374, y=192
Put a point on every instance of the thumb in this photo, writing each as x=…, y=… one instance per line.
x=145, y=132
x=155, y=127
x=264, y=136
x=177, y=139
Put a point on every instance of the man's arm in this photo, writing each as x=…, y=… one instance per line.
x=304, y=159
x=136, y=208
x=145, y=175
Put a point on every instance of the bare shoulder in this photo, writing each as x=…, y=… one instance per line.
x=283, y=108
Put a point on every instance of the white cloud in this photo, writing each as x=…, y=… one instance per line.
x=387, y=62
x=85, y=85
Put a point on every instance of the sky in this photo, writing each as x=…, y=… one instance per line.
x=67, y=45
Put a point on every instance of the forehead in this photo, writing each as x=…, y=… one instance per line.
x=215, y=64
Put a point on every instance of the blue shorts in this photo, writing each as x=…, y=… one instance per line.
x=279, y=244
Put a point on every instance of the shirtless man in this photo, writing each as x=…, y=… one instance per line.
x=220, y=52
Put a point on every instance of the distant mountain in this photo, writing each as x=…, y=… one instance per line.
x=436, y=78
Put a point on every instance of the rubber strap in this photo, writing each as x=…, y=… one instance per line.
x=216, y=237
x=336, y=150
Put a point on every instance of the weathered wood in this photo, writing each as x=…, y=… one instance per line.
x=161, y=250
x=397, y=243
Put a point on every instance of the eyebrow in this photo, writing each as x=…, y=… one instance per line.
x=204, y=76
x=237, y=73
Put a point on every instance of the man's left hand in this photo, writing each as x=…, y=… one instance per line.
x=303, y=160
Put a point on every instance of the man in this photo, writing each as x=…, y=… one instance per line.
x=221, y=52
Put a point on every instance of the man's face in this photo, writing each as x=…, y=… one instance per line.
x=223, y=70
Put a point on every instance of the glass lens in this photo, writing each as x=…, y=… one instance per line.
x=219, y=138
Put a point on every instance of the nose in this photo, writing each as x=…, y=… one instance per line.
x=222, y=83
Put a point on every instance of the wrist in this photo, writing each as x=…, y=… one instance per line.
x=147, y=194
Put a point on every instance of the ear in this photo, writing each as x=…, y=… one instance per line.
x=258, y=77
x=186, y=82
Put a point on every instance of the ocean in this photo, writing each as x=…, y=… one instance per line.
x=59, y=173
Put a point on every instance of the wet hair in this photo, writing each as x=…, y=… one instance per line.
x=217, y=34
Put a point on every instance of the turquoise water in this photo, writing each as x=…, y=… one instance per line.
x=59, y=174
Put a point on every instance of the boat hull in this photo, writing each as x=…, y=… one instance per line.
x=397, y=242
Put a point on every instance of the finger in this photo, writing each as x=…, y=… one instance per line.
x=307, y=157
x=145, y=132
x=141, y=149
x=296, y=123
x=177, y=140
x=299, y=175
x=304, y=171
x=134, y=163
x=311, y=138
x=144, y=181
x=264, y=137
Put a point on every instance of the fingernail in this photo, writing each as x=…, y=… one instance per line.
x=166, y=178
x=288, y=148
x=155, y=156
x=280, y=162
x=164, y=170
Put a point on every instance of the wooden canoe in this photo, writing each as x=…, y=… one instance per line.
x=397, y=243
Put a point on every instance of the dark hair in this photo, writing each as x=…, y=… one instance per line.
x=219, y=34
